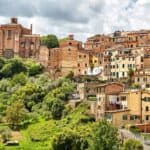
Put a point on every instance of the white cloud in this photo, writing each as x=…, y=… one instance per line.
x=81, y=17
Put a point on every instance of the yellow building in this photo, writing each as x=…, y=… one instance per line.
x=135, y=108
x=146, y=106
x=93, y=61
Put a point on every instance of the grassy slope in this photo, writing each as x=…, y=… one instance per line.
x=44, y=131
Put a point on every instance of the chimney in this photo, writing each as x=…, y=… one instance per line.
x=14, y=20
x=71, y=37
x=31, y=28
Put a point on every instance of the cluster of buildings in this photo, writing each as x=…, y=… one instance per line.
x=111, y=58
x=108, y=57
x=115, y=103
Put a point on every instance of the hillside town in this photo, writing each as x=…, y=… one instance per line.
x=119, y=61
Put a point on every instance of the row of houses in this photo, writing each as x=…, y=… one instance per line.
x=111, y=63
x=108, y=57
x=115, y=103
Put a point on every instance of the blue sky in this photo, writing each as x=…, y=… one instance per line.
x=80, y=17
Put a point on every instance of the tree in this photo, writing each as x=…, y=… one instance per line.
x=12, y=67
x=16, y=114
x=57, y=109
x=33, y=67
x=19, y=78
x=132, y=145
x=69, y=140
x=50, y=41
x=30, y=94
x=106, y=137
x=130, y=76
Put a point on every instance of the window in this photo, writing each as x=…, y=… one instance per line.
x=22, y=44
x=123, y=74
x=123, y=98
x=9, y=33
x=79, y=56
x=78, y=65
x=79, y=70
x=69, y=49
x=142, y=59
x=146, y=108
x=131, y=117
x=117, y=66
x=124, y=117
x=70, y=43
x=123, y=65
x=147, y=117
x=85, y=65
x=84, y=56
x=130, y=65
x=134, y=117
x=85, y=72
x=117, y=74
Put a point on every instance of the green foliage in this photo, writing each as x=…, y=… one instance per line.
x=5, y=133
x=12, y=67
x=33, y=67
x=2, y=62
x=2, y=147
x=30, y=94
x=5, y=85
x=69, y=140
x=50, y=41
x=57, y=109
x=19, y=79
x=132, y=145
x=70, y=75
x=16, y=114
x=130, y=76
x=87, y=119
x=135, y=86
x=106, y=137
x=40, y=133
x=134, y=129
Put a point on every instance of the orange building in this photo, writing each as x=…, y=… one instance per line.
x=69, y=57
x=16, y=40
x=98, y=43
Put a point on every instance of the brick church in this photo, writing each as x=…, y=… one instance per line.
x=16, y=40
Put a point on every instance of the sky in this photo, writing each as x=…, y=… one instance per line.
x=83, y=18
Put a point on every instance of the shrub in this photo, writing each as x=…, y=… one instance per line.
x=5, y=133
x=132, y=145
x=19, y=79
x=12, y=67
x=134, y=129
x=69, y=140
x=57, y=109
x=87, y=119
x=106, y=137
